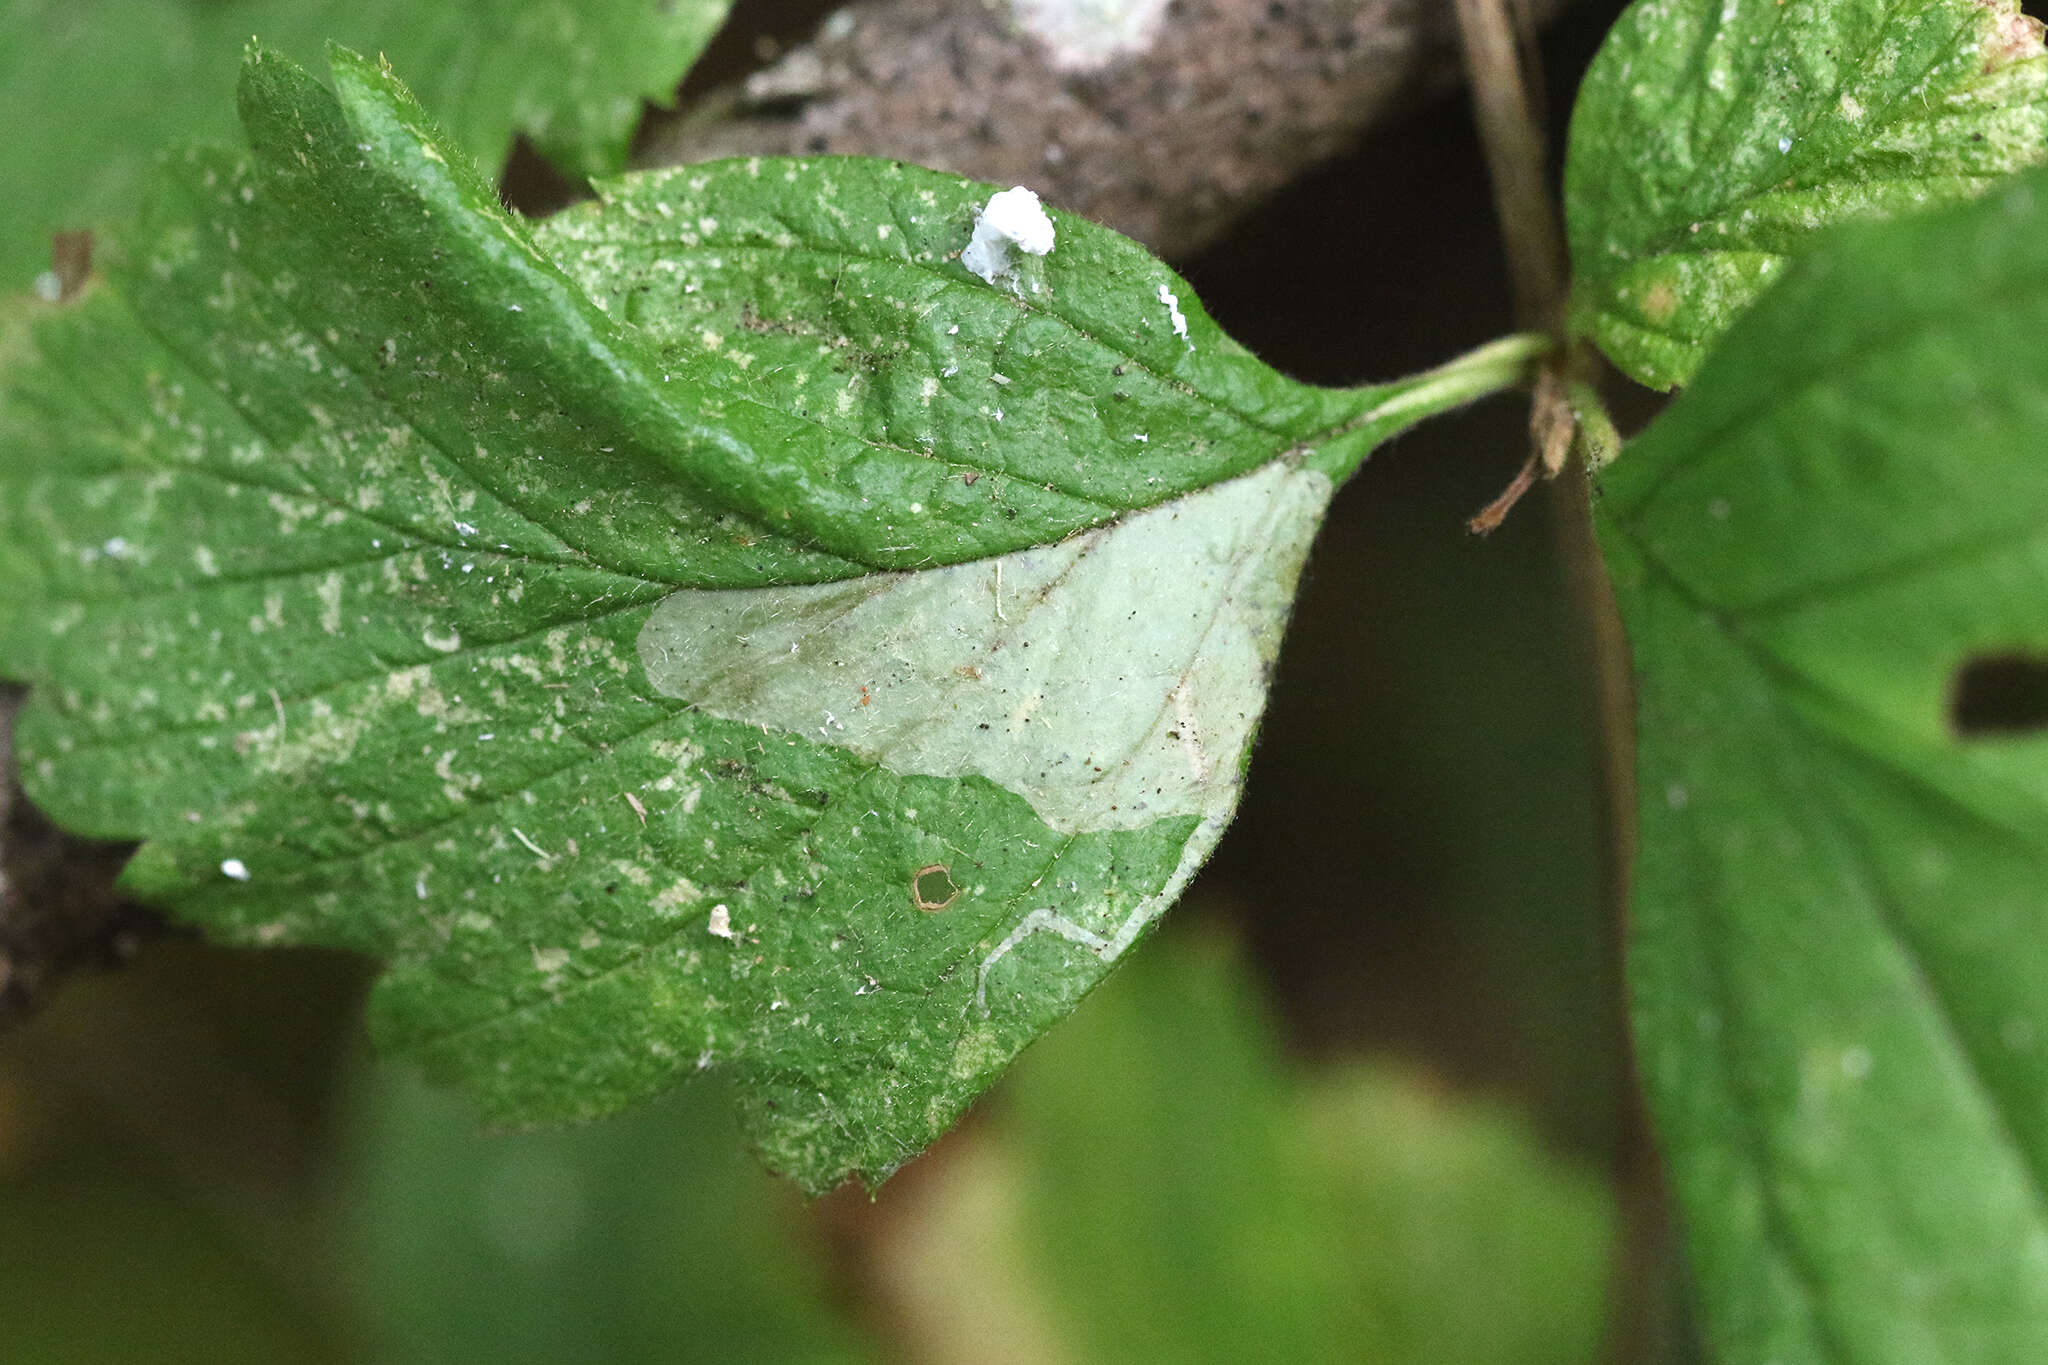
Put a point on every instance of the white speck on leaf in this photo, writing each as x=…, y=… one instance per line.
x=1174, y=315
x=1012, y=219
x=234, y=869
x=720, y=923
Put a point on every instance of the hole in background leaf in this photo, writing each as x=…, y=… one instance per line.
x=1999, y=694
x=932, y=888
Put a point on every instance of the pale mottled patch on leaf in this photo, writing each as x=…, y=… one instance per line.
x=1112, y=679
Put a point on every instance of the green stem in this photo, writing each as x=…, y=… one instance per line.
x=1507, y=363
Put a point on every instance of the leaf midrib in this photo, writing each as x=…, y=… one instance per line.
x=951, y=283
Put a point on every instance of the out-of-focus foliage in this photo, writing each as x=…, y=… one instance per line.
x=94, y=88
x=1157, y=1182
x=649, y=1237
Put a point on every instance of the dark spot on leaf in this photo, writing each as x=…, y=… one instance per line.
x=932, y=888
x=1999, y=694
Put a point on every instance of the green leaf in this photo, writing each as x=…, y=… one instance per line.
x=773, y=687
x=1713, y=138
x=1841, y=930
x=106, y=83
x=1157, y=1181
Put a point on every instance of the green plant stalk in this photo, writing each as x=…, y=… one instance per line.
x=1506, y=363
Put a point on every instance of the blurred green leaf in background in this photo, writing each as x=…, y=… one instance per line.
x=651, y=1236
x=1156, y=1181
x=94, y=87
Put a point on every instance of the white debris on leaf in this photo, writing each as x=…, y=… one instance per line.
x=721, y=921
x=1174, y=315
x=234, y=869
x=1012, y=218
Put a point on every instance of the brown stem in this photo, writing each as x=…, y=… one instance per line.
x=1511, y=133
x=1532, y=229
x=1643, y=1244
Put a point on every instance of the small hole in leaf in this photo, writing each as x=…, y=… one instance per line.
x=2000, y=694
x=932, y=888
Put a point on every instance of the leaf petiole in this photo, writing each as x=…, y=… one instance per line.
x=1506, y=363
